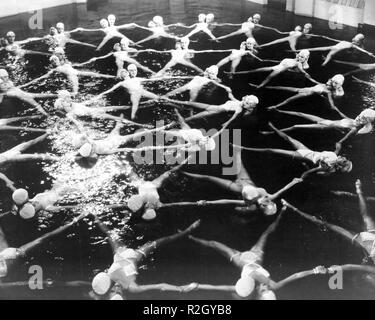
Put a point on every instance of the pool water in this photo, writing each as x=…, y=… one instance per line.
x=297, y=245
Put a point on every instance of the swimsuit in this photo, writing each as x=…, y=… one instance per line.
x=315, y=157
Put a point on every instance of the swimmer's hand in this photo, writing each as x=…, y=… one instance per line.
x=297, y=180
x=190, y=287
x=320, y=270
x=202, y=203
x=333, y=269
x=338, y=147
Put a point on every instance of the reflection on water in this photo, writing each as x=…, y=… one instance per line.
x=296, y=245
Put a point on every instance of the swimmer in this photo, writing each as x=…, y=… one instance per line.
x=202, y=26
x=121, y=277
x=196, y=85
x=158, y=30
x=364, y=124
x=62, y=37
x=15, y=47
x=134, y=85
x=121, y=54
x=9, y=90
x=300, y=63
x=357, y=44
x=91, y=148
x=246, y=106
x=255, y=198
x=66, y=68
x=80, y=109
x=255, y=282
x=27, y=208
x=365, y=239
x=147, y=200
x=110, y=31
x=326, y=162
x=9, y=256
x=4, y=124
x=293, y=38
x=332, y=89
x=246, y=49
x=345, y=124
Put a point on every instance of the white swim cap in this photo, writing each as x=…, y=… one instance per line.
x=210, y=17
x=250, y=193
x=213, y=69
x=28, y=211
x=4, y=73
x=101, y=283
x=117, y=297
x=251, y=40
x=267, y=295
x=304, y=53
x=150, y=214
x=111, y=17
x=85, y=150
x=54, y=59
x=20, y=197
x=210, y=144
x=11, y=34
x=298, y=28
x=257, y=16
x=245, y=287
x=62, y=94
x=135, y=203
x=158, y=20
x=132, y=66
x=359, y=37
x=202, y=16
x=339, y=79
x=79, y=140
x=366, y=129
x=250, y=99
x=9, y=254
x=308, y=25
x=104, y=23
x=270, y=209
x=124, y=41
x=60, y=25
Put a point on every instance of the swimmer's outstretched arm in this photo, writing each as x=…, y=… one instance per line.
x=354, y=267
x=8, y=183
x=151, y=148
x=333, y=106
x=226, y=125
x=104, y=41
x=119, y=85
x=92, y=60
x=204, y=203
x=49, y=73
x=129, y=26
x=364, y=82
x=208, y=287
x=164, y=287
x=261, y=60
x=29, y=40
x=324, y=37
x=81, y=43
x=364, y=51
x=27, y=247
x=85, y=30
x=270, y=28
x=290, y=185
x=235, y=33
x=275, y=42
x=297, y=276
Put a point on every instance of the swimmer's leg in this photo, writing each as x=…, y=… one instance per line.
x=146, y=39
x=16, y=119
x=26, y=248
x=274, y=74
x=224, y=250
x=27, y=129
x=320, y=49
x=265, y=69
x=223, y=62
x=233, y=34
x=34, y=156
x=81, y=43
x=177, y=91
x=149, y=247
x=329, y=57
x=119, y=119
x=223, y=183
x=234, y=65
x=169, y=65
x=290, y=89
x=275, y=42
x=353, y=64
x=339, y=230
x=287, y=153
x=95, y=75
x=192, y=65
x=182, y=121
x=295, y=143
x=135, y=98
x=306, y=116
x=42, y=95
x=203, y=115
x=261, y=243
x=243, y=175
x=26, y=145
x=32, y=102
x=367, y=220
x=75, y=83
x=115, y=244
x=287, y=101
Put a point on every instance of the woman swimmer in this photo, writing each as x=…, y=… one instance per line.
x=65, y=67
x=332, y=89
x=300, y=63
x=124, y=269
x=357, y=43
x=255, y=198
x=201, y=26
x=255, y=281
x=327, y=162
x=365, y=239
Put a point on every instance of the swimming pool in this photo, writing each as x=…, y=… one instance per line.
x=295, y=246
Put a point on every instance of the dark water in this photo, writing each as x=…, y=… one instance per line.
x=295, y=246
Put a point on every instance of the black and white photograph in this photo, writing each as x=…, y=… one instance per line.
x=187, y=150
